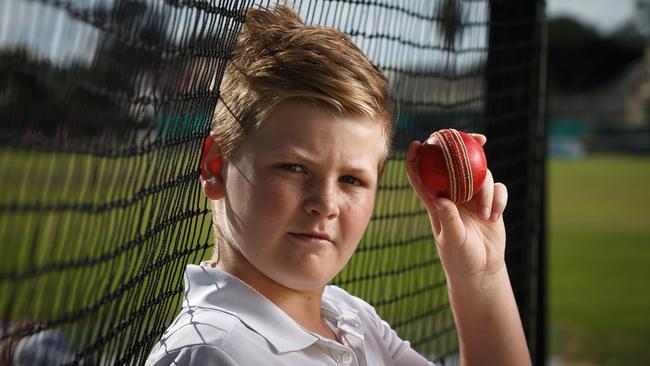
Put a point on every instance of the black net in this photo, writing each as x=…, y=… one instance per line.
x=104, y=105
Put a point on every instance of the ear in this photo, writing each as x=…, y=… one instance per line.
x=211, y=163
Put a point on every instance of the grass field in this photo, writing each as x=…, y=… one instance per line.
x=599, y=254
x=91, y=269
x=599, y=249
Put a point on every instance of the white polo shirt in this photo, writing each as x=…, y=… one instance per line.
x=226, y=322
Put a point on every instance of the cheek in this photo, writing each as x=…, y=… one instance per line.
x=366, y=203
x=274, y=191
x=270, y=201
x=253, y=199
x=358, y=212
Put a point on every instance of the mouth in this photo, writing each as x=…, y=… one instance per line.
x=312, y=238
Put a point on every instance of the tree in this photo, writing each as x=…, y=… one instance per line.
x=580, y=58
x=450, y=22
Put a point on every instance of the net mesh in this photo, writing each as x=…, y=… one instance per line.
x=104, y=105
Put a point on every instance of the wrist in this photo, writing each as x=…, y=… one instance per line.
x=487, y=320
x=483, y=283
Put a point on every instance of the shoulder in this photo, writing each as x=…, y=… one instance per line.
x=195, y=326
x=200, y=334
x=378, y=334
x=203, y=355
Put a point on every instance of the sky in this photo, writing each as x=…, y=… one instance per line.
x=62, y=40
x=605, y=15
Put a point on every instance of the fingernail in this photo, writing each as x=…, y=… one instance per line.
x=495, y=217
x=485, y=212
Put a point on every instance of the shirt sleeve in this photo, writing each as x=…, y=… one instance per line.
x=192, y=356
x=403, y=353
x=400, y=350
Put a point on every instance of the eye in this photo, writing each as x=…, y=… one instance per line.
x=348, y=179
x=293, y=168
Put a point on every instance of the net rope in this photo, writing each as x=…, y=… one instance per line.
x=105, y=103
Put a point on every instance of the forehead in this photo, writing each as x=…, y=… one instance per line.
x=301, y=126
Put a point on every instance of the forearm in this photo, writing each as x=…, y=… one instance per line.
x=488, y=323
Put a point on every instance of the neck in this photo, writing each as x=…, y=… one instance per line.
x=303, y=306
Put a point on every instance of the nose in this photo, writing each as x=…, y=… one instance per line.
x=322, y=199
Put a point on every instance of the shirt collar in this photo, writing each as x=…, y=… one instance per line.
x=209, y=287
x=344, y=317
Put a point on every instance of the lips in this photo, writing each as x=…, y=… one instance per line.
x=312, y=236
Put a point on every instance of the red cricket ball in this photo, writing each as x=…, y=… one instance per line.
x=451, y=164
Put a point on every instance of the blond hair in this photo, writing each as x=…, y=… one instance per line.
x=278, y=58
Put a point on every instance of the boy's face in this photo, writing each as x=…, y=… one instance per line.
x=299, y=193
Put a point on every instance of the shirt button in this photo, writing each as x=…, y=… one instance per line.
x=346, y=358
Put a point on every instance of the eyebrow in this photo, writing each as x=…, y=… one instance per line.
x=301, y=155
x=296, y=152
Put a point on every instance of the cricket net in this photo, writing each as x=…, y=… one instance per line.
x=103, y=108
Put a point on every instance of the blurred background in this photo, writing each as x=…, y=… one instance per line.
x=597, y=93
x=598, y=203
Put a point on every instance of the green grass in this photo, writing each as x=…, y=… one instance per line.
x=106, y=275
x=405, y=281
x=599, y=248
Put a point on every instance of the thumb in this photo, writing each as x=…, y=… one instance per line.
x=452, y=228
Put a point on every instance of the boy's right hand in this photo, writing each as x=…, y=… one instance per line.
x=470, y=236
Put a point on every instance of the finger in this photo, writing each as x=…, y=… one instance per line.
x=482, y=200
x=414, y=180
x=452, y=229
x=412, y=170
x=480, y=138
x=499, y=202
x=413, y=148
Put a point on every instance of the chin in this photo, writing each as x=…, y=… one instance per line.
x=304, y=273
x=304, y=280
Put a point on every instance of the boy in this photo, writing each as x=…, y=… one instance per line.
x=299, y=142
